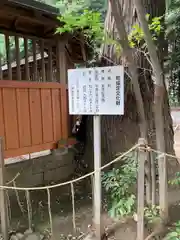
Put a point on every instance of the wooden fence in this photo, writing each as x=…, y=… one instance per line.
x=33, y=116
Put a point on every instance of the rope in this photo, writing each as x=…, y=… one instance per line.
x=74, y=180
x=16, y=176
x=176, y=127
x=149, y=149
x=91, y=173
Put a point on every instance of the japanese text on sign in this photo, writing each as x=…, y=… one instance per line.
x=96, y=91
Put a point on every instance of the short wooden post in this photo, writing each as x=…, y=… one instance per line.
x=148, y=182
x=141, y=181
x=29, y=209
x=3, y=207
x=92, y=186
x=163, y=187
x=153, y=178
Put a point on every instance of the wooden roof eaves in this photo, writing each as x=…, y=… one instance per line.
x=20, y=16
x=35, y=5
x=17, y=17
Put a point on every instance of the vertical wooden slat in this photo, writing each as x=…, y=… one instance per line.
x=34, y=61
x=38, y=76
x=61, y=63
x=26, y=59
x=56, y=108
x=10, y=118
x=23, y=117
x=1, y=73
x=2, y=130
x=62, y=78
x=50, y=67
x=18, y=69
x=46, y=102
x=8, y=57
x=58, y=66
x=35, y=116
x=43, y=71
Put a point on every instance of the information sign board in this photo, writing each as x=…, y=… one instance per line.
x=96, y=91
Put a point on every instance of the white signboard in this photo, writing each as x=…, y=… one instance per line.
x=96, y=91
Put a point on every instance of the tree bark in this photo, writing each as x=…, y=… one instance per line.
x=128, y=55
x=158, y=107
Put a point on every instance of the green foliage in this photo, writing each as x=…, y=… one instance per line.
x=88, y=22
x=173, y=37
x=175, y=233
x=79, y=16
x=85, y=16
x=136, y=36
x=176, y=180
x=152, y=214
x=76, y=6
x=172, y=16
x=118, y=184
x=12, y=48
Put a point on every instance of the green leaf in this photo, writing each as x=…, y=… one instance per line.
x=172, y=235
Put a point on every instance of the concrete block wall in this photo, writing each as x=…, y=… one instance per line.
x=55, y=167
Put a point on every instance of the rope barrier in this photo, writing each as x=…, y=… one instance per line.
x=74, y=180
x=91, y=173
x=11, y=181
x=48, y=188
x=149, y=149
x=176, y=127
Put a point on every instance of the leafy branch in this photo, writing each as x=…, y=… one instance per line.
x=118, y=183
x=89, y=23
x=175, y=232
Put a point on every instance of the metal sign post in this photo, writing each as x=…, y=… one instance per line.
x=96, y=91
x=97, y=175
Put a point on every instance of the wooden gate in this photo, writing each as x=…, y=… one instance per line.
x=33, y=116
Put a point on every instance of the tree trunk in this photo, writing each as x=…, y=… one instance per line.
x=119, y=133
x=158, y=108
x=126, y=125
x=127, y=54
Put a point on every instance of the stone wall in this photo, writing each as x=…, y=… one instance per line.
x=55, y=167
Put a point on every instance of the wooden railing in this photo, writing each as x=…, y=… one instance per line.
x=33, y=116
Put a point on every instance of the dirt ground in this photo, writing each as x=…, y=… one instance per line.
x=61, y=206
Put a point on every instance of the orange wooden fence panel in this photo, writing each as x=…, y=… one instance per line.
x=33, y=116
